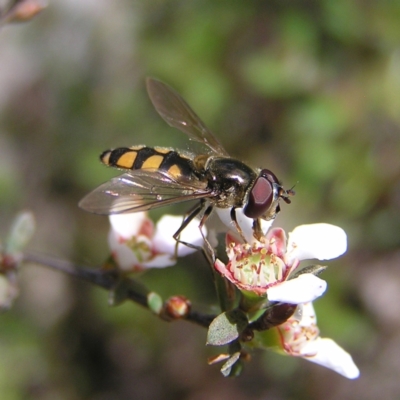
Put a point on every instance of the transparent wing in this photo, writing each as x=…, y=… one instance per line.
x=141, y=190
x=178, y=114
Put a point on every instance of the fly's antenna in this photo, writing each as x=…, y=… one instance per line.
x=285, y=194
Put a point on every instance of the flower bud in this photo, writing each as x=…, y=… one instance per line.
x=177, y=307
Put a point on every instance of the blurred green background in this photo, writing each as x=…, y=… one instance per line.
x=308, y=89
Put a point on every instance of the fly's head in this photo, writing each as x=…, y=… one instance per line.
x=264, y=195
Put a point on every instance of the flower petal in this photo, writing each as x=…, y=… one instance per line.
x=130, y=252
x=305, y=288
x=164, y=241
x=123, y=255
x=321, y=241
x=160, y=261
x=326, y=352
x=277, y=241
x=140, y=258
x=308, y=316
x=128, y=225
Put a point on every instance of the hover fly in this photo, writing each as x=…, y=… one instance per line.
x=157, y=176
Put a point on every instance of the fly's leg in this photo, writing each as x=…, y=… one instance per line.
x=193, y=213
x=237, y=226
x=190, y=215
x=257, y=231
x=208, y=250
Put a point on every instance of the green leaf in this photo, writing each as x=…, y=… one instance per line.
x=155, y=302
x=267, y=340
x=21, y=232
x=226, y=292
x=227, y=370
x=251, y=302
x=311, y=269
x=226, y=327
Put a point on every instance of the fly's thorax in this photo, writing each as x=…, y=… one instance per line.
x=230, y=179
x=168, y=160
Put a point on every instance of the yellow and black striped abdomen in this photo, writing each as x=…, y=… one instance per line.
x=142, y=157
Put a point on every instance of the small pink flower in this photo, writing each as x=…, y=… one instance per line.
x=137, y=244
x=265, y=267
x=300, y=337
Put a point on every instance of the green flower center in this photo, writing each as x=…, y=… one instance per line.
x=140, y=248
x=255, y=265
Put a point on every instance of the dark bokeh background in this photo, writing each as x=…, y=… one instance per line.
x=309, y=89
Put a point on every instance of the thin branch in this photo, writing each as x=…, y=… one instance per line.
x=107, y=280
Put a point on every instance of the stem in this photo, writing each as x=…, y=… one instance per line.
x=106, y=280
x=274, y=316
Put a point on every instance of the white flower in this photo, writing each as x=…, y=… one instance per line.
x=167, y=226
x=136, y=244
x=306, y=287
x=320, y=241
x=266, y=267
x=300, y=338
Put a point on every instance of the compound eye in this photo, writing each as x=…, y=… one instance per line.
x=261, y=195
x=266, y=173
